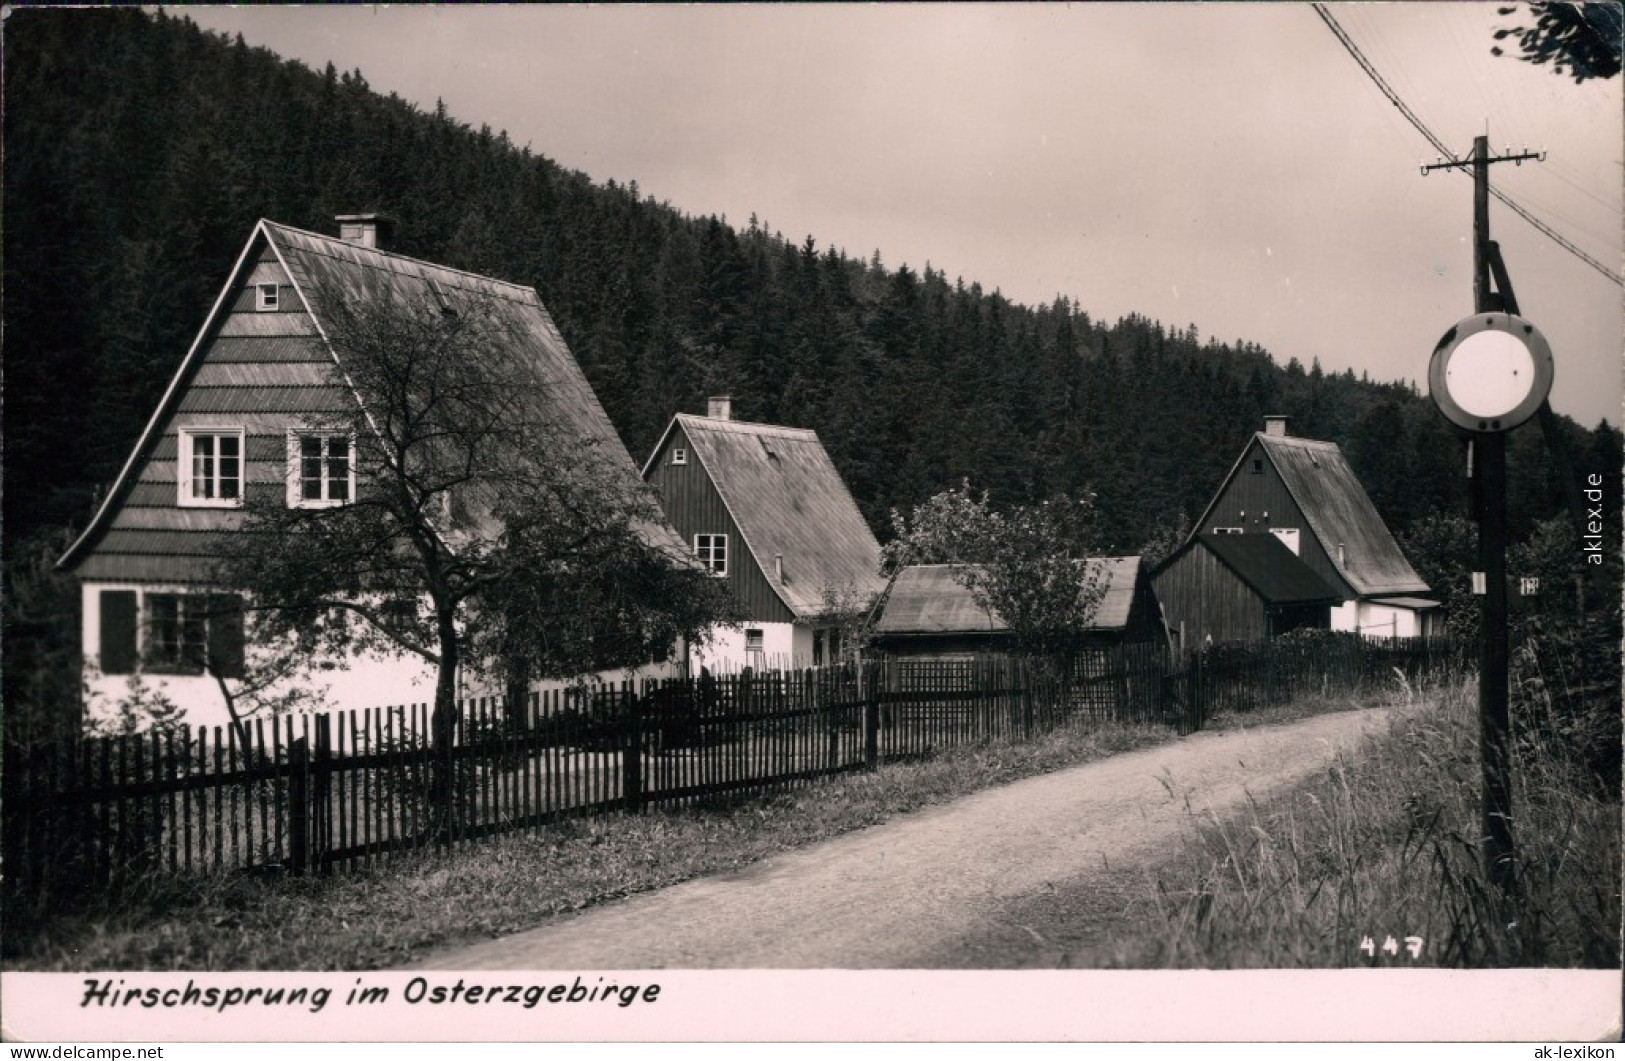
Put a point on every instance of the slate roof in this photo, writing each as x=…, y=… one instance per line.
x=1338, y=511
x=1270, y=568
x=788, y=499
x=930, y=599
x=266, y=372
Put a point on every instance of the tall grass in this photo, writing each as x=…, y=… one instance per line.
x=1384, y=845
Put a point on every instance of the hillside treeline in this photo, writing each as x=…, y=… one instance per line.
x=140, y=150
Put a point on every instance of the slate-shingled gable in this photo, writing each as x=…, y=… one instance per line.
x=270, y=372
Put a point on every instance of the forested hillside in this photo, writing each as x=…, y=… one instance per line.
x=139, y=151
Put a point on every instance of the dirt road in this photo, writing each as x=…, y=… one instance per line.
x=935, y=889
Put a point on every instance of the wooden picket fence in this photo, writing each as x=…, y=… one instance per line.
x=311, y=793
x=1242, y=677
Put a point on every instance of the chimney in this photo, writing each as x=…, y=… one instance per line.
x=1275, y=425
x=719, y=408
x=366, y=230
x=778, y=567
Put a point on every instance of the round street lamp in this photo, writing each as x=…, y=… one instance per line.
x=1490, y=373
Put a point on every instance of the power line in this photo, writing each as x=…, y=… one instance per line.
x=1445, y=152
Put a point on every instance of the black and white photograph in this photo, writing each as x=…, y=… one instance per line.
x=809, y=522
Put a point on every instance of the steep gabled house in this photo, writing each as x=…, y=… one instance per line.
x=1305, y=494
x=763, y=507
x=236, y=423
x=929, y=614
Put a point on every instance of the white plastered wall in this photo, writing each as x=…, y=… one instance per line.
x=1374, y=619
x=357, y=681
x=784, y=645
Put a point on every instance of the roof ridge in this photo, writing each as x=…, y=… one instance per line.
x=397, y=256
x=1296, y=440
x=755, y=425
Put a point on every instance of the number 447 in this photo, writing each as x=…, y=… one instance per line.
x=1390, y=946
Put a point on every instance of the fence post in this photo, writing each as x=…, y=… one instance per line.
x=871, y=715
x=321, y=794
x=1024, y=680
x=632, y=755
x=1193, y=693
x=298, y=806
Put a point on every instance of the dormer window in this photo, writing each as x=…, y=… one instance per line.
x=267, y=298
x=210, y=467
x=321, y=469
x=679, y=455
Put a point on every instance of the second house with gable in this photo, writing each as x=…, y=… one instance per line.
x=764, y=507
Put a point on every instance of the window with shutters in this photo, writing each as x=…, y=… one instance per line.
x=211, y=467
x=171, y=633
x=321, y=469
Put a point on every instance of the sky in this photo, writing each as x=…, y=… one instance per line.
x=1224, y=165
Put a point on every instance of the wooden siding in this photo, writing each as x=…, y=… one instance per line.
x=1211, y=600
x=267, y=324
x=264, y=349
x=261, y=372
x=1256, y=493
x=693, y=506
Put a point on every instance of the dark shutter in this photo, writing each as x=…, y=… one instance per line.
x=118, y=623
x=226, y=635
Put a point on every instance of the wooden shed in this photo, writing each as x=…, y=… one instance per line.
x=1241, y=587
x=930, y=614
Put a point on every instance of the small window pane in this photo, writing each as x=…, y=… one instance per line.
x=338, y=469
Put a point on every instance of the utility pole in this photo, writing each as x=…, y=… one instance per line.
x=1492, y=293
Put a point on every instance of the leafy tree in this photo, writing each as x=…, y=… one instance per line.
x=483, y=525
x=1026, y=565
x=1167, y=539
x=1581, y=40
x=1444, y=551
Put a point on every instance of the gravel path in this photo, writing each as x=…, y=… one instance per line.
x=922, y=891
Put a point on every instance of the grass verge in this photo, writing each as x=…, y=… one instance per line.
x=388, y=915
x=1384, y=845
